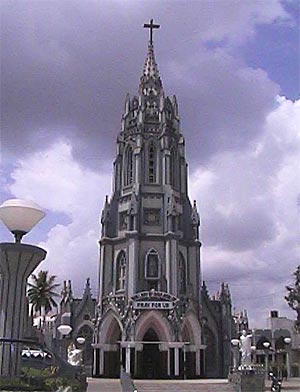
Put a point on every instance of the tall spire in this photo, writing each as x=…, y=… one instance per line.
x=150, y=77
x=150, y=67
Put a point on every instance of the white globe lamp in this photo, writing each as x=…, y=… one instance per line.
x=80, y=340
x=64, y=329
x=20, y=216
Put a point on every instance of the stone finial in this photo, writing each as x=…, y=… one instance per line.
x=175, y=105
x=127, y=104
x=105, y=211
x=195, y=215
x=87, y=289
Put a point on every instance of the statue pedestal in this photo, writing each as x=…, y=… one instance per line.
x=247, y=380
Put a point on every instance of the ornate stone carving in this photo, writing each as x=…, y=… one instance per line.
x=152, y=216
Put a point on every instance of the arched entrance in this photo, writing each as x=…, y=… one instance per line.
x=151, y=366
x=112, y=357
x=107, y=360
x=153, y=334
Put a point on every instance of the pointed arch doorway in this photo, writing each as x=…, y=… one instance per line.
x=107, y=350
x=151, y=362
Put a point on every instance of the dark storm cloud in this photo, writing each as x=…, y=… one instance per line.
x=241, y=231
x=223, y=104
x=66, y=67
x=62, y=76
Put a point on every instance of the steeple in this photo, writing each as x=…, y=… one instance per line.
x=150, y=81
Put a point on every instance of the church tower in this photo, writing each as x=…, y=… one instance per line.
x=149, y=306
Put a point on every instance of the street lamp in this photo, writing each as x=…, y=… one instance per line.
x=267, y=346
x=20, y=216
x=80, y=340
x=235, y=344
x=64, y=329
x=17, y=262
x=287, y=342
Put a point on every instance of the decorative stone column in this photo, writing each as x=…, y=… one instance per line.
x=198, y=360
x=17, y=262
x=132, y=251
x=176, y=361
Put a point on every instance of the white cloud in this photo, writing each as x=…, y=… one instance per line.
x=236, y=21
x=58, y=183
x=247, y=202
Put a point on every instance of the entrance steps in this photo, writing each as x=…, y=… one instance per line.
x=183, y=386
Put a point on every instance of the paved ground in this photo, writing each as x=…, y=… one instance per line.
x=109, y=385
x=104, y=385
x=183, y=386
x=292, y=385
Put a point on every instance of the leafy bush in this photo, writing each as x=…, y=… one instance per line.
x=52, y=384
x=35, y=372
x=14, y=384
x=39, y=380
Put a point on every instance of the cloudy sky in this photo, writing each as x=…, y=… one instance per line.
x=234, y=66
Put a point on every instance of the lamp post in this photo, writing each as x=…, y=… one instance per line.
x=266, y=346
x=235, y=344
x=17, y=262
x=287, y=342
x=81, y=340
x=64, y=329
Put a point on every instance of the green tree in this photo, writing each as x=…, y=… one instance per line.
x=41, y=292
x=293, y=297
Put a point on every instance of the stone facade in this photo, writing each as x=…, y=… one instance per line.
x=155, y=317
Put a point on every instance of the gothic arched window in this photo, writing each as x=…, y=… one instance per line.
x=120, y=271
x=152, y=267
x=151, y=163
x=128, y=177
x=182, y=275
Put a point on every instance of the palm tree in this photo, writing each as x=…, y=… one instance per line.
x=41, y=292
x=293, y=297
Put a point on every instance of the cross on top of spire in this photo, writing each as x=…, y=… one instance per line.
x=151, y=26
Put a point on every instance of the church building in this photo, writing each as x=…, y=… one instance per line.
x=155, y=317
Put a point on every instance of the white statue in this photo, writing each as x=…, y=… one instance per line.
x=74, y=355
x=245, y=349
